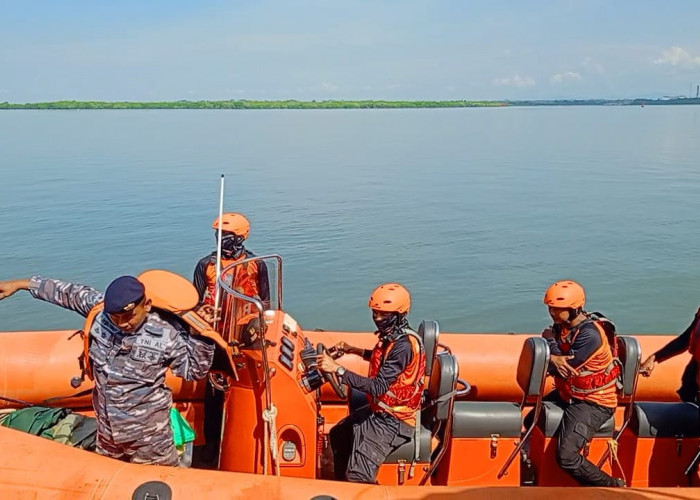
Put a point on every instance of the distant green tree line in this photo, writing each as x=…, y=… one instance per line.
x=246, y=104
x=369, y=104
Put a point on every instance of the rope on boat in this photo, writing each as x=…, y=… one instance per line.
x=614, y=460
x=270, y=416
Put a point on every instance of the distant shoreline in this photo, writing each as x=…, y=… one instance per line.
x=294, y=104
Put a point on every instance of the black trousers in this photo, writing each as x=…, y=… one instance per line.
x=579, y=424
x=213, y=413
x=688, y=391
x=362, y=441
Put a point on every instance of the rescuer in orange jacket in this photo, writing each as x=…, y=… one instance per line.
x=250, y=279
x=586, y=375
x=362, y=441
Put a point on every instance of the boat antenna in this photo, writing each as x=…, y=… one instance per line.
x=218, y=254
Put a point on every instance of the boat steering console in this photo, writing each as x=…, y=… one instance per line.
x=313, y=378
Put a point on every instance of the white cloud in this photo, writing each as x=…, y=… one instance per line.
x=677, y=56
x=326, y=86
x=568, y=76
x=592, y=66
x=515, y=81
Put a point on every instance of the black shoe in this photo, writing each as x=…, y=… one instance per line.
x=618, y=483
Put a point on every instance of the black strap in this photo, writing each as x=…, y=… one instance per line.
x=442, y=398
x=16, y=401
x=61, y=398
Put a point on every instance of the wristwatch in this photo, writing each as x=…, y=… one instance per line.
x=340, y=371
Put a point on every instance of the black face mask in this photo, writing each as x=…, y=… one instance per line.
x=390, y=325
x=232, y=246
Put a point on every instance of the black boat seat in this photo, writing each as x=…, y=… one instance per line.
x=630, y=353
x=429, y=332
x=551, y=415
x=436, y=412
x=665, y=420
x=441, y=389
x=659, y=444
x=532, y=367
x=479, y=419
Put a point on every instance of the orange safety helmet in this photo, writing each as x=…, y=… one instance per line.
x=390, y=297
x=565, y=294
x=233, y=223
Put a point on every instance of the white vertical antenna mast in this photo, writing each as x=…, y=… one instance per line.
x=218, y=253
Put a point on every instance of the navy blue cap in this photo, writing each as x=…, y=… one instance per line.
x=123, y=294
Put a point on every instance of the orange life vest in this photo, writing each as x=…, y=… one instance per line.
x=598, y=376
x=694, y=345
x=244, y=279
x=84, y=360
x=403, y=398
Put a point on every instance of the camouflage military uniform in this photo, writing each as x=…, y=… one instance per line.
x=130, y=398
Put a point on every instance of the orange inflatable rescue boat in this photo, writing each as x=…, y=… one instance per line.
x=278, y=410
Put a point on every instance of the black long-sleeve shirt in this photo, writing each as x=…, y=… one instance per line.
x=676, y=346
x=396, y=362
x=586, y=343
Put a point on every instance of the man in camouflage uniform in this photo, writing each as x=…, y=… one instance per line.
x=131, y=348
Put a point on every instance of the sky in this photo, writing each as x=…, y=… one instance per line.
x=153, y=50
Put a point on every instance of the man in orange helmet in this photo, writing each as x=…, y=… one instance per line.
x=586, y=376
x=362, y=441
x=249, y=279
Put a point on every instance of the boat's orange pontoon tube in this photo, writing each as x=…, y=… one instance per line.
x=278, y=412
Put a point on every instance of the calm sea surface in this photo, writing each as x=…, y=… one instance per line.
x=475, y=210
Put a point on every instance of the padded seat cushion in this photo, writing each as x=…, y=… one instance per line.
x=532, y=366
x=552, y=413
x=654, y=419
x=481, y=419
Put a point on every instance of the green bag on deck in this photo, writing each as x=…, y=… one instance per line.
x=37, y=420
x=182, y=432
x=77, y=431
